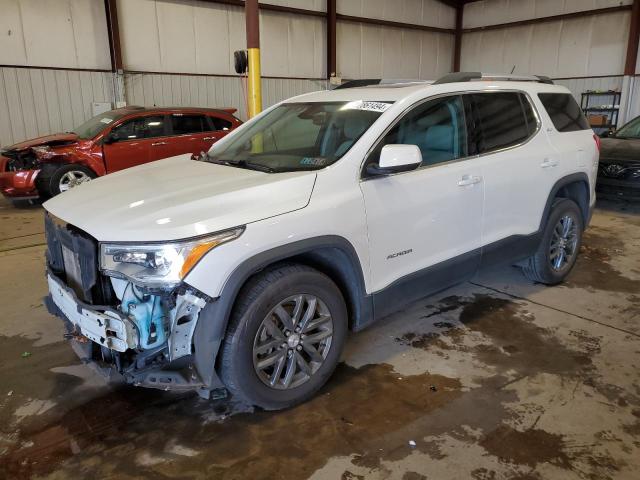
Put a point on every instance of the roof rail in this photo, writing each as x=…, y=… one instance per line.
x=365, y=82
x=471, y=76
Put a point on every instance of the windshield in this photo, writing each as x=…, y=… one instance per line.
x=299, y=136
x=630, y=130
x=94, y=126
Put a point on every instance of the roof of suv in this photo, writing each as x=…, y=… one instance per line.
x=395, y=92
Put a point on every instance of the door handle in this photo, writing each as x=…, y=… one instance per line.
x=159, y=143
x=467, y=180
x=209, y=138
x=547, y=163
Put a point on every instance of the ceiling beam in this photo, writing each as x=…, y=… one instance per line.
x=272, y=8
x=113, y=32
x=553, y=18
x=388, y=23
x=332, y=42
x=634, y=38
x=457, y=45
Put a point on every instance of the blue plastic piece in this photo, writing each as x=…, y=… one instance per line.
x=147, y=313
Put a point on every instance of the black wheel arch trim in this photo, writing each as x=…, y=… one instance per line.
x=214, y=318
x=579, y=177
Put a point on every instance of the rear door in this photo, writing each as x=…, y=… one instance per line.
x=134, y=142
x=512, y=155
x=191, y=133
x=425, y=224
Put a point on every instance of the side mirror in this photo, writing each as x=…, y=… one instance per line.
x=396, y=159
x=110, y=138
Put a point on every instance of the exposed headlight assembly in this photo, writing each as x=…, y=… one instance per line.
x=159, y=265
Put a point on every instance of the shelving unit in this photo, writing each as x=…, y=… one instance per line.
x=606, y=103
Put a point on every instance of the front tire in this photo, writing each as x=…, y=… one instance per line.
x=558, y=250
x=285, y=337
x=55, y=179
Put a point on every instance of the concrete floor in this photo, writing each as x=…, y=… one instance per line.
x=497, y=378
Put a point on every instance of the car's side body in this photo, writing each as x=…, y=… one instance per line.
x=21, y=164
x=384, y=240
x=619, y=171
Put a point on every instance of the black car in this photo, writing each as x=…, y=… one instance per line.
x=619, y=170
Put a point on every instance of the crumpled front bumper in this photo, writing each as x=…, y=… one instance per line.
x=105, y=326
x=98, y=330
x=20, y=184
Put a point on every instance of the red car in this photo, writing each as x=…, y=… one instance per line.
x=112, y=141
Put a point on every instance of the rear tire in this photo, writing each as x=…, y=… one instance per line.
x=560, y=244
x=285, y=337
x=54, y=179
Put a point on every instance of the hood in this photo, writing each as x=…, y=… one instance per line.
x=179, y=198
x=620, y=149
x=51, y=140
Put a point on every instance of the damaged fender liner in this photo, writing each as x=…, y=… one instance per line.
x=148, y=368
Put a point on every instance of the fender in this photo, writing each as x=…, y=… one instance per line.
x=327, y=252
x=71, y=155
x=563, y=182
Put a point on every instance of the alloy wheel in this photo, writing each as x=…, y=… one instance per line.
x=292, y=342
x=564, y=242
x=72, y=179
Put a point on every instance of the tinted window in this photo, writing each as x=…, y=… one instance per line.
x=183, y=124
x=502, y=120
x=221, y=123
x=436, y=127
x=629, y=130
x=564, y=112
x=141, y=127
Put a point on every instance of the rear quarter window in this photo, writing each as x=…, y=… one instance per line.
x=564, y=111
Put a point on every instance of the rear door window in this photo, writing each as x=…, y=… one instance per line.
x=221, y=123
x=501, y=120
x=185, y=124
x=564, y=111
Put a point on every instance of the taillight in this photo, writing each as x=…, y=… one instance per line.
x=597, y=140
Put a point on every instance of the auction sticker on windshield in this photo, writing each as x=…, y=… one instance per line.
x=368, y=106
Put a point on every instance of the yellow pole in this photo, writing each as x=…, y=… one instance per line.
x=255, y=90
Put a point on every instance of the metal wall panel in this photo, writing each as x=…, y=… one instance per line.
x=580, y=85
x=317, y=5
x=433, y=13
x=36, y=102
x=589, y=46
x=210, y=91
x=54, y=33
x=189, y=36
x=492, y=12
x=366, y=51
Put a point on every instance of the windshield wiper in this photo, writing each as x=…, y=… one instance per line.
x=244, y=164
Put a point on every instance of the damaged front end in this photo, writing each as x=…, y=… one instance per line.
x=20, y=164
x=141, y=334
x=18, y=171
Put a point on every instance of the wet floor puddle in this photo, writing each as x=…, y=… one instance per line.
x=593, y=268
x=370, y=413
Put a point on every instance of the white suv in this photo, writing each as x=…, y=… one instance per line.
x=243, y=270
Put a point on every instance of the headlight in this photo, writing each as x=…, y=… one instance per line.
x=159, y=264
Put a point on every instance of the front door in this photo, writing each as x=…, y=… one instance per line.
x=135, y=141
x=425, y=225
